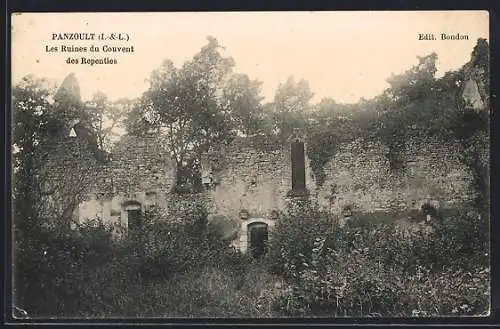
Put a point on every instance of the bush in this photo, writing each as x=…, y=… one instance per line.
x=164, y=246
x=293, y=237
x=175, y=266
x=359, y=286
x=53, y=267
x=84, y=272
x=362, y=271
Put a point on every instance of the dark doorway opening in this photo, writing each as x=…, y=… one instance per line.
x=134, y=215
x=258, y=237
x=134, y=219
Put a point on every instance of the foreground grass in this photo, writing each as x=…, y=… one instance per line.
x=213, y=292
x=208, y=293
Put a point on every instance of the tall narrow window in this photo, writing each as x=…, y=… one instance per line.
x=298, y=167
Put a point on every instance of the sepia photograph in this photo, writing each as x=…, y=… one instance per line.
x=183, y=165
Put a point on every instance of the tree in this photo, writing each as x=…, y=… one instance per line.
x=40, y=121
x=403, y=104
x=185, y=107
x=33, y=123
x=242, y=100
x=106, y=118
x=290, y=107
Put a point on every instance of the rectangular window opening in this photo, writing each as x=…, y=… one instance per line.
x=298, y=167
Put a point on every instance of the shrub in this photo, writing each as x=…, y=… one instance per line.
x=53, y=267
x=163, y=246
x=358, y=271
x=356, y=285
x=293, y=237
x=84, y=271
x=175, y=266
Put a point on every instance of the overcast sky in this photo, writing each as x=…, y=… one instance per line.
x=343, y=55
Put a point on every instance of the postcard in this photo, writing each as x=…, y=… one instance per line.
x=250, y=165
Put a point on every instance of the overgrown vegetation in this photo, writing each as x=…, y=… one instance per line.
x=169, y=269
x=434, y=107
x=182, y=269
x=379, y=270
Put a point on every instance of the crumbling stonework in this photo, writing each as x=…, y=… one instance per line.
x=243, y=184
x=69, y=172
x=254, y=180
x=252, y=185
x=138, y=170
x=361, y=177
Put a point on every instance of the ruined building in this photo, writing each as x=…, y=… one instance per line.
x=244, y=187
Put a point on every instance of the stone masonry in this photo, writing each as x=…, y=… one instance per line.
x=248, y=185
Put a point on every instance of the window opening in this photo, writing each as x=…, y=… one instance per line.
x=298, y=166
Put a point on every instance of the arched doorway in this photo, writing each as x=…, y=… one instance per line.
x=258, y=235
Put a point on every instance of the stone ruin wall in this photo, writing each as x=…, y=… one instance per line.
x=363, y=178
x=68, y=174
x=254, y=180
x=257, y=182
x=141, y=170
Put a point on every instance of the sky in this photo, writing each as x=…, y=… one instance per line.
x=343, y=55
